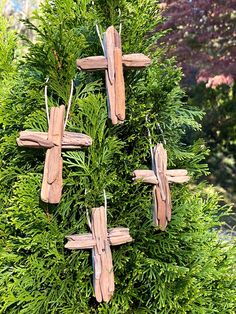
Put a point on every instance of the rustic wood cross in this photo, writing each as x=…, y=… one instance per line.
x=113, y=63
x=54, y=141
x=160, y=177
x=100, y=241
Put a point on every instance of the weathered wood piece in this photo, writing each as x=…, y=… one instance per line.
x=113, y=63
x=98, y=63
x=160, y=178
x=135, y=61
x=100, y=241
x=119, y=86
x=52, y=176
x=70, y=140
x=54, y=141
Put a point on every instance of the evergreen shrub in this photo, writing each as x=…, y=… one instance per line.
x=186, y=269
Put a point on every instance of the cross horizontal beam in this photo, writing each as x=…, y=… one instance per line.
x=149, y=176
x=97, y=63
x=116, y=236
x=70, y=140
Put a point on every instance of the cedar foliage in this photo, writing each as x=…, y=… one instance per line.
x=188, y=268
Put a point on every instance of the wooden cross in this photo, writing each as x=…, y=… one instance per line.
x=54, y=141
x=160, y=177
x=113, y=63
x=100, y=241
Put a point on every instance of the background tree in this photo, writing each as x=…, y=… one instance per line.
x=7, y=60
x=219, y=132
x=188, y=268
x=203, y=38
x=16, y=11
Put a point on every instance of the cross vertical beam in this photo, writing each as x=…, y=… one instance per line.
x=52, y=176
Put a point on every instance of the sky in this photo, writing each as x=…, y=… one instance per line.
x=18, y=5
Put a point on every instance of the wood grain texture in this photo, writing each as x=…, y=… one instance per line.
x=117, y=39
x=109, y=45
x=155, y=206
x=100, y=240
x=54, y=160
x=96, y=63
x=178, y=179
x=161, y=210
x=176, y=172
x=111, y=100
x=70, y=140
x=45, y=186
x=166, y=184
x=140, y=174
x=53, y=141
x=160, y=177
x=58, y=125
x=160, y=169
x=109, y=52
x=168, y=200
x=80, y=241
x=113, y=63
x=147, y=176
x=163, y=200
x=118, y=236
x=135, y=61
x=99, y=63
x=119, y=86
x=51, y=123
x=56, y=187
x=33, y=140
x=53, y=164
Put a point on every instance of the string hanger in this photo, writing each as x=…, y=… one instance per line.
x=162, y=133
x=105, y=207
x=87, y=213
x=68, y=105
x=120, y=27
x=150, y=138
x=105, y=203
x=149, y=133
x=99, y=33
x=100, y=38
x=46, y=98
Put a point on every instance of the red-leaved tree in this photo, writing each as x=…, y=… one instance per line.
x=203, y=38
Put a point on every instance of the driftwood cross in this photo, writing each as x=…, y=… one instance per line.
x=160, y=177
x=54, y=141
x=100, y=241
x=113, y=63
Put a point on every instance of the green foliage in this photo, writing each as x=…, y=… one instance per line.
x=219, y=123
x=188, y=268
x=7, y=64
x=7, y=46
x=219, y=133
